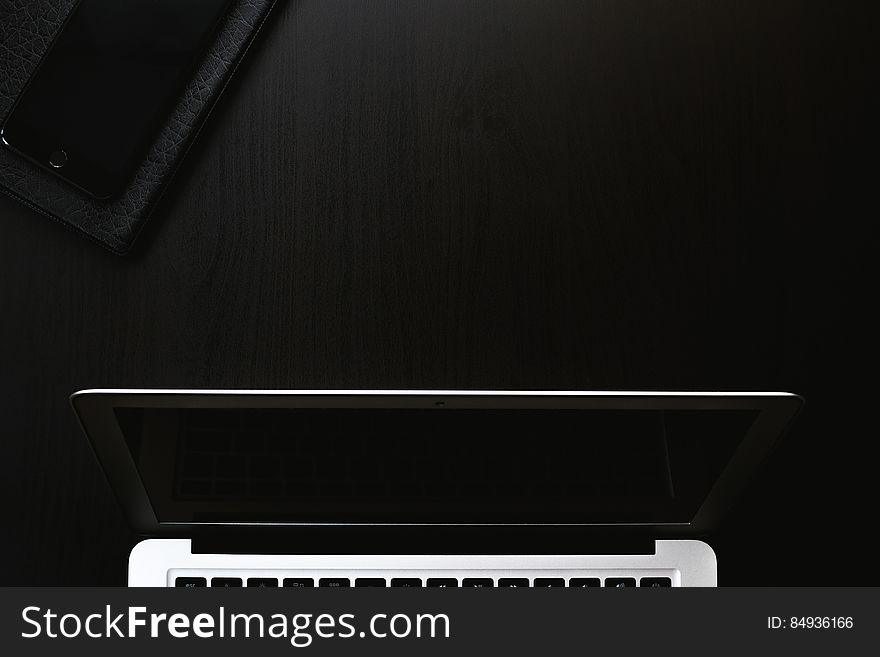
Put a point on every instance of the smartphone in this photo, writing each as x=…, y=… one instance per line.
x=111, y=76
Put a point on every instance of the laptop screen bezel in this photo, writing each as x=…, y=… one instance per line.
x=96, y=412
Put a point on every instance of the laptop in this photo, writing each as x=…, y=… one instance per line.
x=329, y=488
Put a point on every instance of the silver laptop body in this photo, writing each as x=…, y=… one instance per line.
x=326, y=488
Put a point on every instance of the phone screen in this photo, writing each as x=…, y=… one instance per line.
x=96, y=102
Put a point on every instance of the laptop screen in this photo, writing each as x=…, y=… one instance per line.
x=430, y=465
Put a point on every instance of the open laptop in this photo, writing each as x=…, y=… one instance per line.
x=427, y=488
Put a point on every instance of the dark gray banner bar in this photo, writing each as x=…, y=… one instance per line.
x=438, y=621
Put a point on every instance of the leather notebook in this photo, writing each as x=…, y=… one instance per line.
x=27, y=28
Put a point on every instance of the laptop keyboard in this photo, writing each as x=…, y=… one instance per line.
x=419, y=582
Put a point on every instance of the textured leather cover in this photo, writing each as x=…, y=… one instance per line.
x=27, y=28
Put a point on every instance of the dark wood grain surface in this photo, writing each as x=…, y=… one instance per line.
x=562, y=194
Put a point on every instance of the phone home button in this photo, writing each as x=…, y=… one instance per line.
x=58, y=159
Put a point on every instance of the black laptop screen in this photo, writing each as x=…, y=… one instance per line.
x=511, y=466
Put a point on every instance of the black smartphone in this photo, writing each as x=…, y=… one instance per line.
x=95, y=103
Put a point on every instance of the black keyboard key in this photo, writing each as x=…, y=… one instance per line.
x=335, y=582
x=620, y=582
x=262, y=582
x=370, y=582
x=443, y=582
x=478, y=582
x=584, y=582
x=298, y=582
x=407, y=582
x=190, y=582
x=226, y=582
x=655, y=582
x=513, y=582
x=549, y=581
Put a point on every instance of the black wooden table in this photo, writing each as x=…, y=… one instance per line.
x=562, y=194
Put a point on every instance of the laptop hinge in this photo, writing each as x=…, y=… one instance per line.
x=421, y=540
